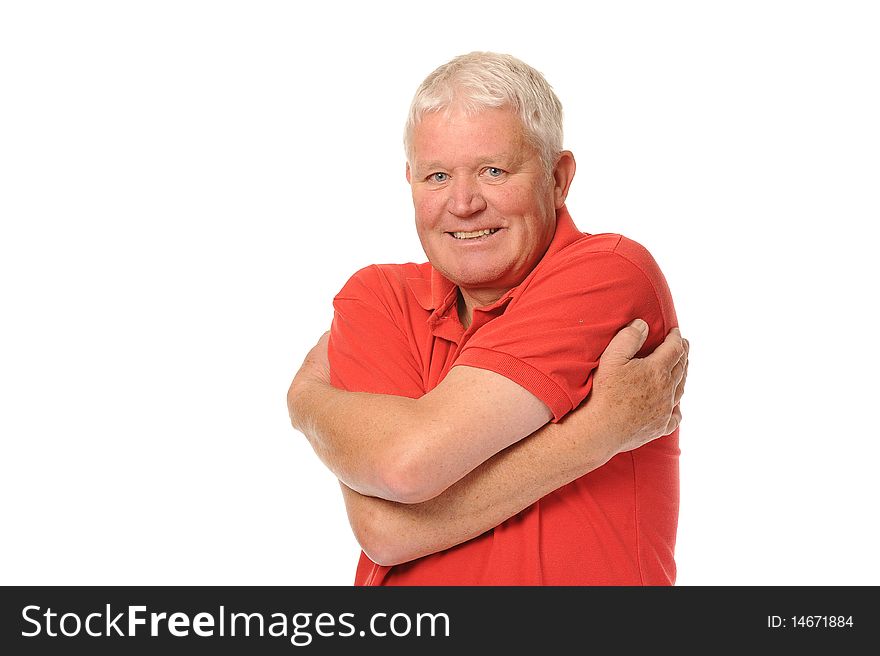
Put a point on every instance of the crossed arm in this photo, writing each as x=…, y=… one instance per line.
x=411, y=450
x=413, y=484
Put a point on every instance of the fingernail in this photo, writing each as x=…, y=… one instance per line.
x=639, y=325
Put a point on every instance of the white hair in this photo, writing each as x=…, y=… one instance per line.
x=483, y=80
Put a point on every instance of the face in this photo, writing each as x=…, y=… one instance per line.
x=485, y=207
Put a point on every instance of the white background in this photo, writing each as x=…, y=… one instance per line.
x=185, y=185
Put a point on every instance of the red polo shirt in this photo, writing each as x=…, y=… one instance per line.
x=396, y=331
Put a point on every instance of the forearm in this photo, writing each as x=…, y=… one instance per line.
x=392, y=533
x=632, y=402
x=411, y=450
x=358, y=436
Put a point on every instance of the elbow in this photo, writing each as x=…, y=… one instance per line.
x=412, y=476
x=384, y=553
x=379, y=540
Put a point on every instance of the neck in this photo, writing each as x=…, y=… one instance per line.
x=469, y=299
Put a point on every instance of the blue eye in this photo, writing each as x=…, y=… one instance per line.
x=495, y=172
x=438, y=177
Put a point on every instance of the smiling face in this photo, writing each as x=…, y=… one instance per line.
x=485, y=207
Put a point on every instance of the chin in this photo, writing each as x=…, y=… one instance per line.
x=483, y=277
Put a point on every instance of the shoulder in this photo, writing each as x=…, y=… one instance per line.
x=601, y=255
x=379, y=281
x=370, y=348
x=605, y=246
x=609, y=268
x=400, y=292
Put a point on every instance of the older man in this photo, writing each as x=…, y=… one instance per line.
x=450, y=407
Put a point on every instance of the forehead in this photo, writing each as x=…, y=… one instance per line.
x=455, y=136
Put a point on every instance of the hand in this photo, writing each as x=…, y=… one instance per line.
x=638, y=398
x=316, y=364
x=315, y=369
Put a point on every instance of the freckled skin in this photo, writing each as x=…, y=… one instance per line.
x=474, y=172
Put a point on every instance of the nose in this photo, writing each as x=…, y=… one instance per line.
x=465, y=198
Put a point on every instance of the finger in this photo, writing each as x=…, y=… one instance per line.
x=679, y=389
x=324, y=340
x=626, y=343
x=686, y=352
x=670, y=350
x=679, y=367
x=674, y=420
x=677, y=373
x=319, y=352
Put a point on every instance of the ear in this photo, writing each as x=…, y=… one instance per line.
x=563, y=174
x=408, y=175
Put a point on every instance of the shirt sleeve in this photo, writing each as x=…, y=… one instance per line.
x=369, y=350
x=553, y=331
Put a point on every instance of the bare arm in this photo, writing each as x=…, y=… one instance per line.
x=632, y=402
x=410, y=450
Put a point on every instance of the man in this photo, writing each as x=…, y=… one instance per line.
x=446, y=396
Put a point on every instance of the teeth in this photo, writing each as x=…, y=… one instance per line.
x=473, y=235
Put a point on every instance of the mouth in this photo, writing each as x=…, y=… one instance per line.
x=477, y=234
